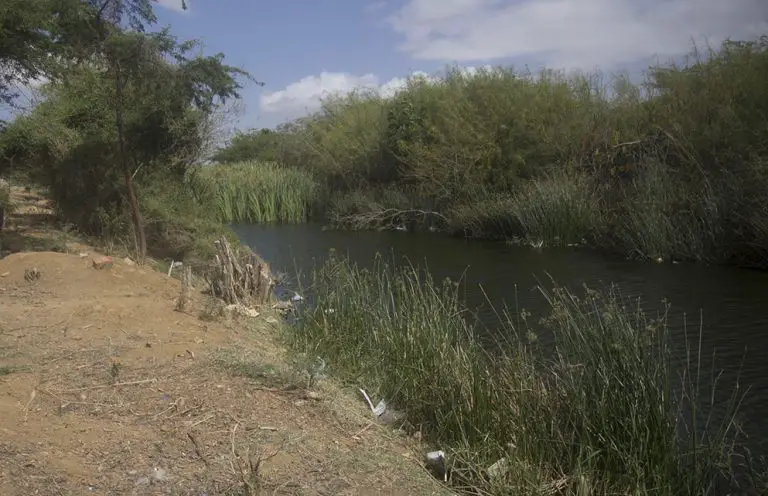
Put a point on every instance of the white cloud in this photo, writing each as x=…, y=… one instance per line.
x=175, y=5
x=376, y=6
x=570, y=33
x=305, y=96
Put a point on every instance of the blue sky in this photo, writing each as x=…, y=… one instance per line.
x=303, y=50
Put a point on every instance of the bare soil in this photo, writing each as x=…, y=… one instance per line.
x=106, y=389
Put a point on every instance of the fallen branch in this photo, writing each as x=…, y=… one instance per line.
x=197, y=449
x=240, y=279
x=186, y=283
x=387, y=218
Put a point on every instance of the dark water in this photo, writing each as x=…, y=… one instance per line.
x=731, y=305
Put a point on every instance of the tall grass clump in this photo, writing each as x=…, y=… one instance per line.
x=663, y=217
x=559, y=208
x=259, y=192
x=605, y=413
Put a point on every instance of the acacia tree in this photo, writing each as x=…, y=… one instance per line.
x=157, y=94
x=129, y=56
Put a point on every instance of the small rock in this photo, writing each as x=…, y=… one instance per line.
x=83, y=254
x=250, y=312
x=300, y=403
x=242, y=310
x=102, y=262
x=128, y=261
x=272, y=320
x=313, y=395
x=5, y=274
x=159, y=475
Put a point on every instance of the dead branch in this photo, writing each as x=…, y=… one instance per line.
x=240, y=278
x=186, y=282
x=197, y=449
x=386, y=218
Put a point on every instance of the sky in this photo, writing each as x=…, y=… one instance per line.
x=303, y=50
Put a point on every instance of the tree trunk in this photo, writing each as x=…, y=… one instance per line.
x=139, y=237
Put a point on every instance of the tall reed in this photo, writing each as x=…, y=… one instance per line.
x=602, y=415
x=259, y=192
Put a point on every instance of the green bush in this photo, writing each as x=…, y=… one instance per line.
x=673, y=167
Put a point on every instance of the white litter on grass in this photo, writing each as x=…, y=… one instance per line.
x=173, y=265
x=297, y=297
x=436, y=462
x=377, y=410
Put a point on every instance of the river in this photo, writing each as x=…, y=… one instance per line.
x=730, y=304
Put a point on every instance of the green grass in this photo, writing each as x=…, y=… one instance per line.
x=558, y=209
x=603, y=415
x=258, y=192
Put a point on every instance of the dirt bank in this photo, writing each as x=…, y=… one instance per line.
x=105, y=389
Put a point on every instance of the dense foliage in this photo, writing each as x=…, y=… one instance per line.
x=124, y=110
x=251, y=145
x=674, y=167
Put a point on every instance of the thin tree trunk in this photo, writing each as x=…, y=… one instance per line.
x=139, y=239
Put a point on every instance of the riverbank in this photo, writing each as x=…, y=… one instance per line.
x=610, y=408
x=104, y=388
x=672, y=168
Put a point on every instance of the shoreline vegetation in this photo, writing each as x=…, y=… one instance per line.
x=672, y=169
x=611, y=409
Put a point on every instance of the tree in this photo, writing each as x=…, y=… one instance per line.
x=255, y=144
x=23, y=44
x=158, y=97
x=127, y=54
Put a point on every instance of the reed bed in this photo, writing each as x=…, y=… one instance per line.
x=255, y=192
x=605, y=413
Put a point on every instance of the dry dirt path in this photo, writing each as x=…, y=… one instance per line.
x=105, y=389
